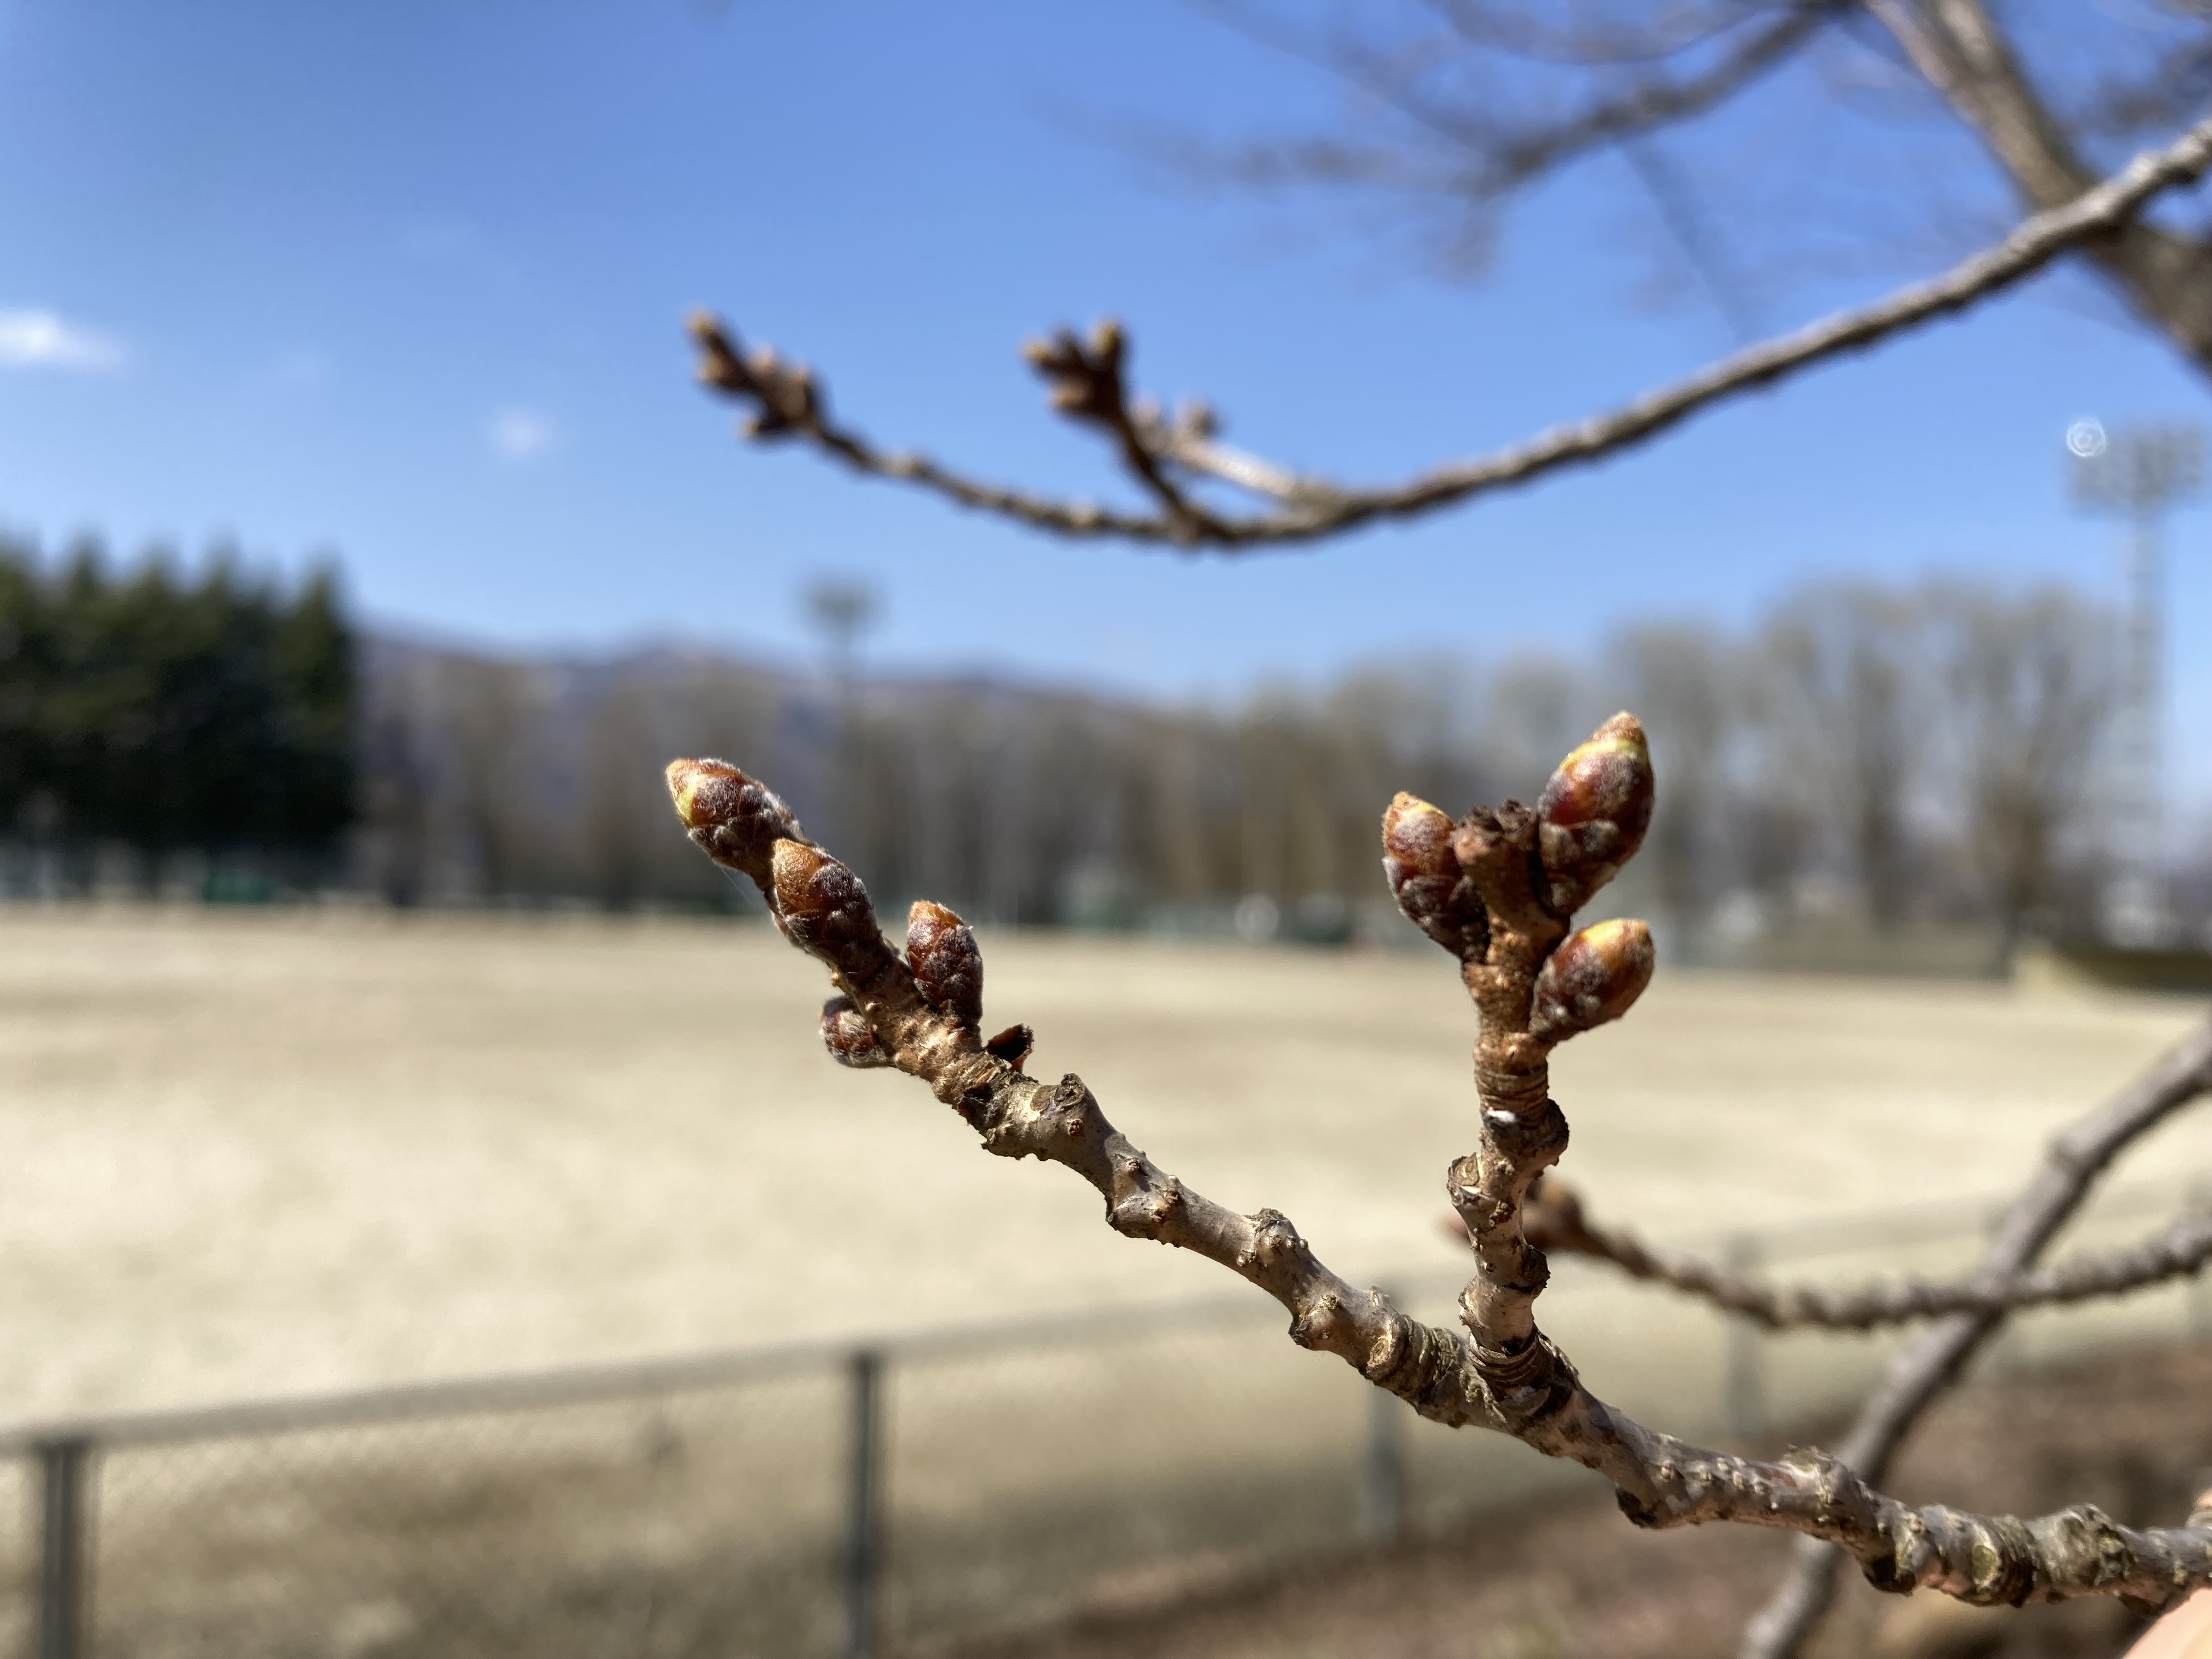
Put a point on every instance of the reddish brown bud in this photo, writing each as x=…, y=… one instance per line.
x=1592, y=977
x=824, y=909
x=1593, y=812
x=845, y=1033
x=736, y=820
x=1425, y=878
x=948, y=968
x=1012, y=1045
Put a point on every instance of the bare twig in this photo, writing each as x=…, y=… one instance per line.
x=1920, y=1373
x=1555, y=1220
x=1496, y=889
x=1487, y=154
x=786, y=401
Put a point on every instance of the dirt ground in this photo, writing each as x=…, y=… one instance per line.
x=1575, y=1580
x=252, y=1153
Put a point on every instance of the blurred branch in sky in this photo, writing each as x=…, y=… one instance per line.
x=1171, y=457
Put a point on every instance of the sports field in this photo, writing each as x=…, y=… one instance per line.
x=259, y=1152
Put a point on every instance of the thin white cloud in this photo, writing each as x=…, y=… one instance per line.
x=521, y=435
x=46, y=339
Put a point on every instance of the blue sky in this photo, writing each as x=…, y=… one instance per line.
x=404, y=282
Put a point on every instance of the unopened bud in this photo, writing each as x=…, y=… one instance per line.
x=736, y=820
x=1591, y=978
x=845, y=1035
x=824, y=906
x=1012, y=1045
x=948, y=968
x=1425, y=878
x=1593, y=812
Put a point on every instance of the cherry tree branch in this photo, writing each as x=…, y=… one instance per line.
x=1488, y=154
x=1920, y=1372
x=785, y=401
x=1556, y=1220
x=1497, y=889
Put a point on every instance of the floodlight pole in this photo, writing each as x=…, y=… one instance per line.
x=2140, y=474
x=842, y=610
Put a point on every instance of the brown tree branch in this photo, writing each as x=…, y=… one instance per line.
x=1562, y=37
x=785, y=401
x=1958, y=48
x=1556, y=1220
x=1495, y=155
x=1920, y=1373
x=1497, y=889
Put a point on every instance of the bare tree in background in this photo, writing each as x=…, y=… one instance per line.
x=1681, y=676
x=2030, y=687
x=1845, y=663
x=1057, y=806
x=618, y=847
x=490, y=704
x=1533, y=706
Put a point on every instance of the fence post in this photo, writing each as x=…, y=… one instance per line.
x=1381, y=1471
x=63, y=1465
x=863, y=1500
x=1743, y=1392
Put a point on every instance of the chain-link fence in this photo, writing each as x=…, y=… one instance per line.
x=829, y=1500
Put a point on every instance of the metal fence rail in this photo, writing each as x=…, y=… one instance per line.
x=845, y=1500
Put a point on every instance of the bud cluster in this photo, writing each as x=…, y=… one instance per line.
x=1426, y=880
x=1085, y=377
x=1592, y=977
x=1593, y=813
x=735, y=821
x=785, y=396
x=845, y=1033
x=948, y=968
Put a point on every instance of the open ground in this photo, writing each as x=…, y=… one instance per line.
x=253, y=1153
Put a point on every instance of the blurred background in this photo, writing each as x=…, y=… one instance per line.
x=369, y=1026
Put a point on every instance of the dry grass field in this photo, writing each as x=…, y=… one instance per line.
x=250, y=1153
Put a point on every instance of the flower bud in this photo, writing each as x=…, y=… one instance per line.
x=736, y=822
x=1593, y=812
x=948, y=968
x=1591, y=978
x=1012, y=1045
x=1425, y=878
x=845, y=1033
x=823, y=907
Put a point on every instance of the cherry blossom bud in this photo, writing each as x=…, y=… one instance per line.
x=735, y=821
x=823, y=907
x=1593, y=812
x=1591, y=978
x=1012, y=1045
x=845, y=1033
x=1425, y=878
x=948, y=968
